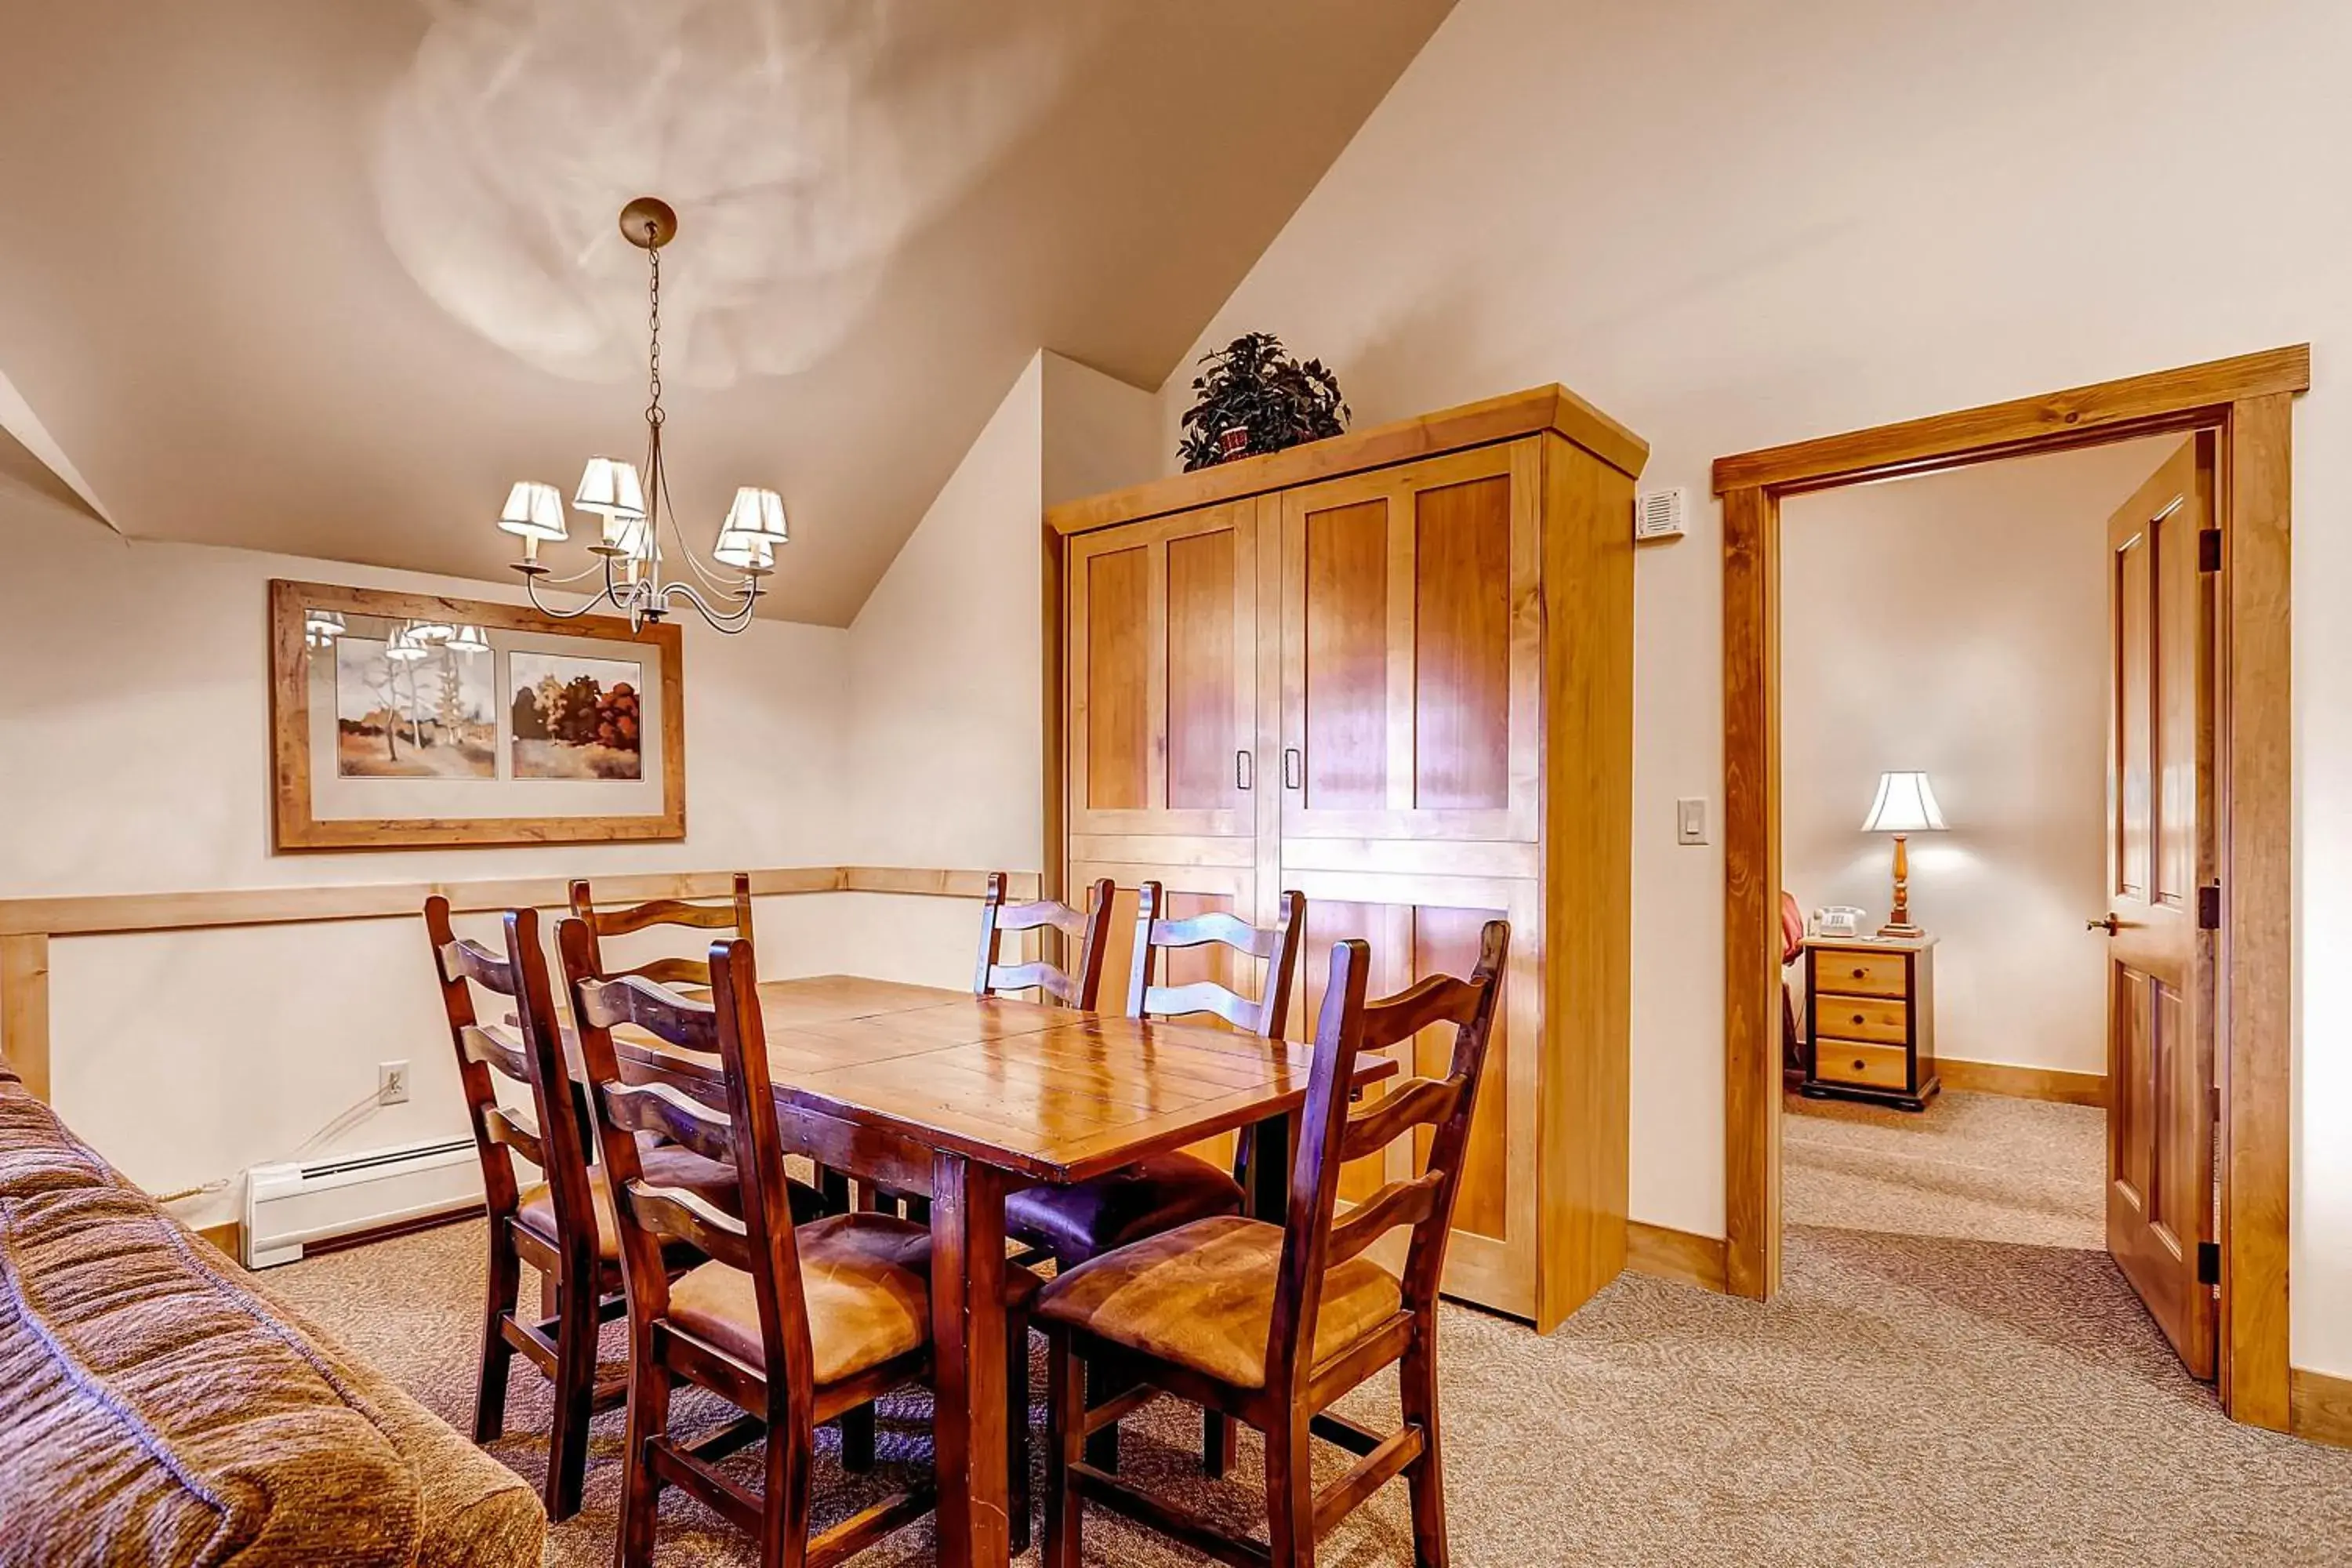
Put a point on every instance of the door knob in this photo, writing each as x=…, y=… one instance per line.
x=2110, y=925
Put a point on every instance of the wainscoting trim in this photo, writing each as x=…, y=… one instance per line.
x=1665, y=1253
x=27, y=924
x=2024, y=1083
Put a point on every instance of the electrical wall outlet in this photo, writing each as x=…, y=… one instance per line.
x=1690, y=820
x=392, y=1083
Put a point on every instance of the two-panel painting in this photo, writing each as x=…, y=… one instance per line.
x=402, y=719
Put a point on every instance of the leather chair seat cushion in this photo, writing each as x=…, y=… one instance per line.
x=665, y=1165
x=866, y=1280
x=1202, y=1296
x=1089, y=1219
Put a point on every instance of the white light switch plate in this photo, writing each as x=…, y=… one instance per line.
x=1690, y=820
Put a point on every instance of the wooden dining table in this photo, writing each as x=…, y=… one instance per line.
x=963, y=1099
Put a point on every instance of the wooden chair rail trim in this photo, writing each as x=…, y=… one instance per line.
x=1985, y=431
x=1505, y=418
x=106, y=914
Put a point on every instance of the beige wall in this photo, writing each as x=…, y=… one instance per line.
x=1735, y=225
x=134, y=757
x=1959, y=623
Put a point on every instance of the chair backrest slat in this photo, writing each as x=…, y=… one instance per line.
x=762, y=1244
x=531, y=1055
x=735, y=915
x=1330, y=1136
x=1079, y=986
x=1278, y=946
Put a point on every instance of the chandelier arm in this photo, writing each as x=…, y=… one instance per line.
x=732, y=620
x=530, y=591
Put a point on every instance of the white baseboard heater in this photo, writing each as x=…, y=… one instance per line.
x=288, y=1205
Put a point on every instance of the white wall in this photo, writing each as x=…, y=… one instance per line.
x=134, y=757
x=1731, y=225
x=1958, y=623
x=946, y=721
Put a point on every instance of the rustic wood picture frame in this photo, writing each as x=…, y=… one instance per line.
x=294, y=822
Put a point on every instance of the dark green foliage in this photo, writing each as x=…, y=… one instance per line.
x=1253, y=385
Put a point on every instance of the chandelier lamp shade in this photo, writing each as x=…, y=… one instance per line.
x=632, y=505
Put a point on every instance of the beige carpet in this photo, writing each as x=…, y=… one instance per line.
x=1907, y=1399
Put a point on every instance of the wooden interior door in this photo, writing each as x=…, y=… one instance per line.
x=2161, y=859
x=1412, y=631
x=1419, y=926
x=1162, y=680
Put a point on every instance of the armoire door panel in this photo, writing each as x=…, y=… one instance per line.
x=1162, y=679
x=1462, y=647
x=1411, y=633
x=1445, y=941
x=1344, y=665
x=1117, y=680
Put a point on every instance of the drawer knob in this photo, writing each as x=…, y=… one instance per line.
x=1858, y=1063
x=1858, y=974
x=1857, y=1018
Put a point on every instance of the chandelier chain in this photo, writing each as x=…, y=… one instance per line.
x=653, y=325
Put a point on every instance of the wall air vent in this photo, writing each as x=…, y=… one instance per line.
x=1658, y=514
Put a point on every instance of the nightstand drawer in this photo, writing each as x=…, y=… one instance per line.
x=1848, y=1061
x=1858, y=973
x=1862, y=1018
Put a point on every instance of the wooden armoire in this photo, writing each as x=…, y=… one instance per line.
x=1392, y=670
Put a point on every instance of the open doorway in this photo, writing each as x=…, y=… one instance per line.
x=2242, y=409
x=1993, y=726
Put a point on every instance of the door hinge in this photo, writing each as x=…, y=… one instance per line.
x=2208, y=550
x=2208, y=1263
x=2208, y=907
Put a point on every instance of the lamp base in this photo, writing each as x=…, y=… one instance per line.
x=1901, y=929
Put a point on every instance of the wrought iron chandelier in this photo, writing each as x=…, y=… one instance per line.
x=635, y=507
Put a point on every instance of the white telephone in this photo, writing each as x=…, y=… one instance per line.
x=1838, y=920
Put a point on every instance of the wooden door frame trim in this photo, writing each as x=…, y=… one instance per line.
x=2248, y=402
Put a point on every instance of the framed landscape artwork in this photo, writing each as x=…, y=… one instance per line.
x=405, y=720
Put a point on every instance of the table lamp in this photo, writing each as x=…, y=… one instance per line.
x=1905, y=804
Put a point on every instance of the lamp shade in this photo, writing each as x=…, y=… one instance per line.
x=533, y=510
x=1906, y=803
x=469, y=640
x=610, y=486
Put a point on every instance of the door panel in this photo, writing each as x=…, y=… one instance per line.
x=1412, y=626
x=2161, y=847
x=1162, y=680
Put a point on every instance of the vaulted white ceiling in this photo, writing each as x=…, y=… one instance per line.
x=325, y=276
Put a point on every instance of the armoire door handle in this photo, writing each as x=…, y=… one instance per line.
x=1294, y=767
x=1241, y=769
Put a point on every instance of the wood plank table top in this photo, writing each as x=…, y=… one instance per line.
x=1044, y=1093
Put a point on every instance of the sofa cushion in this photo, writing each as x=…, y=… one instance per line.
x=162, y=1409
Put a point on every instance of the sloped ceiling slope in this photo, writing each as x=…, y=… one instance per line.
x=324, y=277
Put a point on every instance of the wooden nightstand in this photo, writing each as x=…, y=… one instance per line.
x=1870, y=1020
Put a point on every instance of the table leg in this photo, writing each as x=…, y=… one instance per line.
x=1267, y=1181
x=968, y=1334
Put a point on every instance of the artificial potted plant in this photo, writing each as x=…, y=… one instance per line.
x=1255, y=397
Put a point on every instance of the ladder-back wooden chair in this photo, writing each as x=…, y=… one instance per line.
x=1272, y=1324
x=559, y=1225
x=1073, y=1224
x=1080, y=985
x=735, y=915
x=794, y=1325
x=830, y=1193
